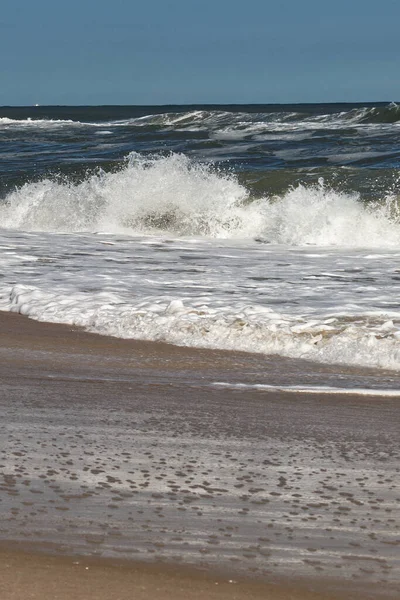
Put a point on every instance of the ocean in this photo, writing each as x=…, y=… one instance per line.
x=271, y=229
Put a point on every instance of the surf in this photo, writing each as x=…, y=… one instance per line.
x=177, y=196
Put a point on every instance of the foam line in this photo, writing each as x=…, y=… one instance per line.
x=315, y=389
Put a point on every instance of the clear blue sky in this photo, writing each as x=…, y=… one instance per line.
x=183, y=51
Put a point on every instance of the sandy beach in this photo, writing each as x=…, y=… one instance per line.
x=128, y=470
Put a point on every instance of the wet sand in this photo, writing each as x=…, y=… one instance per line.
x=48, y=577
x=127, y=451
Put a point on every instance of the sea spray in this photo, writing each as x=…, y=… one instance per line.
x=180, y=197
x=170, y=194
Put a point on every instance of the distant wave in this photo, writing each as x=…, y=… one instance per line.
x=215, y=120
x=5, y=121
x=222, y=118
x=179, y=197
x=385, y=114
x=176, y=120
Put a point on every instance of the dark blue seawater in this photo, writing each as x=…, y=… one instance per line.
x=353, y=147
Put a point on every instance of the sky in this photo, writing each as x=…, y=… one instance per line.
x=198, y=51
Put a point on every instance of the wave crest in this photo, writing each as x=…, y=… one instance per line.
x=170, y=194
x=29, y=122
x=176, y=196
x=321, y=216
x=381, y=114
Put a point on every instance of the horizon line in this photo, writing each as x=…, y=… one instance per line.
x=363, y=102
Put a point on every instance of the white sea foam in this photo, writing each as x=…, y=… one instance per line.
x=213, y=323
x=329, y=305
x=176, y=196
x=313, y=389
x=7, y=122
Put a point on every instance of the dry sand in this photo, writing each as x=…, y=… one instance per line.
x=119, y=450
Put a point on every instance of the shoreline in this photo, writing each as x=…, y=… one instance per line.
x=45, y=577
x=123, y=449
x=18, y=330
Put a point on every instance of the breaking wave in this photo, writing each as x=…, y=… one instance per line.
x=216, y=118
x=177, y=196
x=383, y=114
x=29, y=122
